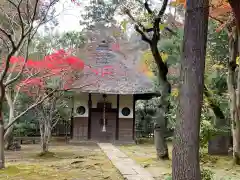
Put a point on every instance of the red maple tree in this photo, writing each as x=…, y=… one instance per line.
x=37, y=74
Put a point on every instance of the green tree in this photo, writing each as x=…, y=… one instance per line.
x=99, y=11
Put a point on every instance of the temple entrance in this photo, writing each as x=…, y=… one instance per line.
x=97, y=123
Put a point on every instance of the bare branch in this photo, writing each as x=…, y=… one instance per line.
x=28, y=11
x=11, y=20
x=146, y=5
x=171, y=31
x=5, y=43
x=216, y=19
x=16, y=96
x=35, y=11
x=163, y=9
x=16, y=46
x=127, y=11
x=9, y=37
x=4, y=72
x=29, y=108
x=23, y=66
x=54, y=124
x=157, y=21
x=143, y=35
x=19, y=14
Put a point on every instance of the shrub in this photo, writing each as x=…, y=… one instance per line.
x=206, y=174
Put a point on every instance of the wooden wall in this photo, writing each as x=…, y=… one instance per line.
x=125, y=129
x=80, y=128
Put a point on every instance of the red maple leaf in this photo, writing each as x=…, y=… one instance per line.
x=37, y=73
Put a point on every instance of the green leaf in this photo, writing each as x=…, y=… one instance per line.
x=124, y=25
x=149, y=25
x=162, y=26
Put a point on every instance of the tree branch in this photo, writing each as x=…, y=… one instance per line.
x=5, y=43
x=16, y=46
x=23, y=66
x=157, y=21
x=5, y=70
x=29, y=108
x=143, y=35
x=127, y=11
x=35, y=11
x=171, y=31
x=19, y=14
x=9, y=38
x=146, y=5
x=163, y=9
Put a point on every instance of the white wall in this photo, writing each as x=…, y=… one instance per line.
x=125, y=101
x=81, y=99
x=111, y=98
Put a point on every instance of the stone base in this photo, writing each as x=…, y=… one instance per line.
x=116, y=142
x=14, y=147
x=219, y=145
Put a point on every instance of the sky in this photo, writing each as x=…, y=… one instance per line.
x=70, y=14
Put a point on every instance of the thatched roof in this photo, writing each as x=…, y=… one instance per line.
x=123, y=63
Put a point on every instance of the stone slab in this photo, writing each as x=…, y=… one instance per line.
x=127, y=167
x=138, y=177
x=219, y=145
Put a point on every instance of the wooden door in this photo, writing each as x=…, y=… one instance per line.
x=97, y=126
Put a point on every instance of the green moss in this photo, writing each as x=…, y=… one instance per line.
x=10, y=170
x=144, y=141
x=206, y=158
x=46, y=154
x=63, y=163
x=53, y=155
x=144, y=160
x=145, y=154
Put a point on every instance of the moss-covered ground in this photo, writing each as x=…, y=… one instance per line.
x=145, y=155
x=64, y=162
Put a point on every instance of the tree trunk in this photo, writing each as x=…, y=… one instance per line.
x=161, y=121
x=2, y=157
x=185, y=160
x=160, y=126
x=160, y=143
x=234, y=96
x=7, y=135
x=236, y=146
x=45, y=143
x=45, y=130
x=7, y=138
x=236, y=132
x=42, y=133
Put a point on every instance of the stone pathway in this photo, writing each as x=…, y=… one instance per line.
x=127, y=167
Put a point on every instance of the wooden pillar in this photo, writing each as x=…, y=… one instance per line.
x=89, y=115
x=71, y=129
x=71, y=123
x=117, y=119
x=133, y=126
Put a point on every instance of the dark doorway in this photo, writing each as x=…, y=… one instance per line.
x=97, y=125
